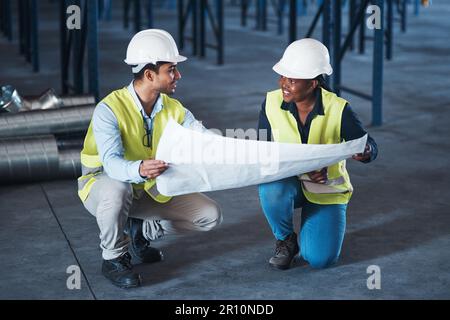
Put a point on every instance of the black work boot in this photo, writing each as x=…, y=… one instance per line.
x=120, y=272
x=139, y=246
x=285, y=252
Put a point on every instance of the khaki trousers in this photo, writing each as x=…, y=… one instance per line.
x=112, y=201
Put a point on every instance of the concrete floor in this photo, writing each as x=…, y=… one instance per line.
x=398, y=218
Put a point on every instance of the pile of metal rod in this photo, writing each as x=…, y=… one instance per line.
x=44, y=143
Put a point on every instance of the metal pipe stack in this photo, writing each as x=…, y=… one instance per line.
x=50, y=121
x=28, y=159
x=44, y=143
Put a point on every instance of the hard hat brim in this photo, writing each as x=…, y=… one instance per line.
x=179, y=58
x=176, y=59
x=281, y=70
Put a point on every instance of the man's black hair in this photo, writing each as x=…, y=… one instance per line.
x=149, y=66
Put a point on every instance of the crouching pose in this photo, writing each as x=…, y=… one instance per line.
x=303, y=110
x=118, y=185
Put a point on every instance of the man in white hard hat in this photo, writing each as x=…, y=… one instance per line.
x=118, y=184
x=304, y=110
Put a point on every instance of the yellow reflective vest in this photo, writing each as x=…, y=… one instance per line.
x=132, y=132
x=325, y=129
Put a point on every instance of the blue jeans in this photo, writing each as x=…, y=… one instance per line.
x=322, y=226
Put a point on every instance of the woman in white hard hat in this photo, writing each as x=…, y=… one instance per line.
x=118, y=185
x=304, y=110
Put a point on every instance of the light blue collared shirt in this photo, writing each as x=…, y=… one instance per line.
x=109, y=143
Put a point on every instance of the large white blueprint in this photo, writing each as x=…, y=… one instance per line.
x=200, y=162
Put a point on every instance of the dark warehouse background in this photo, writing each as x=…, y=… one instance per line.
x=396, y=79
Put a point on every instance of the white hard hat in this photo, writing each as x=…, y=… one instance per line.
x=304, y=59
x=151, y=46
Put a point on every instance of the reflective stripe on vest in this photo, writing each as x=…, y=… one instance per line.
x=325, y=129
x=132, y=131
